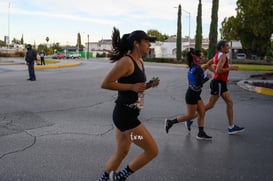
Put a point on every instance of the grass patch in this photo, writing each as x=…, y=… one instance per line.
x=251, y=67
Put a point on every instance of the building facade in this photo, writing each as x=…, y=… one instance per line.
x=166, y=49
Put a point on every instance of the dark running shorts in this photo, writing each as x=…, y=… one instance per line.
x=192, y=97
x=218, y=87
x=125, y=118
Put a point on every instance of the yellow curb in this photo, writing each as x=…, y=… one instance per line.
x=57, y=66
x=265, y=91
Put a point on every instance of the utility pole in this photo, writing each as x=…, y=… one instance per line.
x=8, y=25
x=88, y=46
x=178, y=35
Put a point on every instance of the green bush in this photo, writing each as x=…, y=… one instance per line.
x=161, y=60
x=102, y=55
x=16, y=54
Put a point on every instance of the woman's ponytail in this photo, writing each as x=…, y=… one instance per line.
x=120, y=45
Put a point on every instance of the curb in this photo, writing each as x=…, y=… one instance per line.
x=57, y=66
x=260, y=90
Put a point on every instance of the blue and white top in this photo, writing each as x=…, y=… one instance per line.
x=196, y=78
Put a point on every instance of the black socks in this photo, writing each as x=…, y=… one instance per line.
x=104, y=177
x=174, y=121
x=124, y=173
x=121, y=175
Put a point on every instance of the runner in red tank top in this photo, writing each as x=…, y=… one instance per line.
x=220, y=76
x=218, y=85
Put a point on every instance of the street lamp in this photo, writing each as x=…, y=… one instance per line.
x=86, y=52
x=8, y=25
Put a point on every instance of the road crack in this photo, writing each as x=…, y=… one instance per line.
x=21, y=149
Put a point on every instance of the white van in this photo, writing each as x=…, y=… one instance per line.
x=241, y=56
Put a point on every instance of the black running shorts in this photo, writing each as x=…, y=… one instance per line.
x=218, y=87
x=125, y=118
x=192, y=97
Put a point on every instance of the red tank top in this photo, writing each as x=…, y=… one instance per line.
x=220, y=76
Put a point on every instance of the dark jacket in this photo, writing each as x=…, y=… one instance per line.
x=31, y=55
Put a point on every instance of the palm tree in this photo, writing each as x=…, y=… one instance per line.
x=47, y=39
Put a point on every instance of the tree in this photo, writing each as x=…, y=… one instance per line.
x=198, y=36
x=213, y=29
x=47, y=39
x=253, y=25
x=15, y=41
x=57, y=47
x=2, y=43
x=159, y=36
x=227, y=30
x=178, y=35
x=79, y=42
x=43, y=47
x=22, y=40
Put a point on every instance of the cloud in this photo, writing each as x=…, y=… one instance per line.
x=99, y=16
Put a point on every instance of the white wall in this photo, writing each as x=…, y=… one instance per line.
x=161, y=49
x=164, y=49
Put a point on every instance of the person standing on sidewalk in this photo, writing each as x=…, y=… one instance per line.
x=42, y=57
x=128, y=78
x=195, y=104
x=31, y=58
x=218, y=85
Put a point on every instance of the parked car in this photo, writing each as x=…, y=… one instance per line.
x=241, y=56
x=58, y=56
x=74, y=55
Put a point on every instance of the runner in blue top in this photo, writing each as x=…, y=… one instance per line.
x=195, y=104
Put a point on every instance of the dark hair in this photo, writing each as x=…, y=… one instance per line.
x=119, y=45
x=221, y=44
x=29, y=46
x=126, y=43
x=190, y=56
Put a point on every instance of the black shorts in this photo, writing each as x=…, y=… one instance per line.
x=218, y=87
x=125, y=118
x=192, y=97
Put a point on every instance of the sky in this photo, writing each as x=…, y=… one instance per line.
x=62, y=20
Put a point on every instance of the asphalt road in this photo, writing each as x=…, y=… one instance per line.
x=59, y=128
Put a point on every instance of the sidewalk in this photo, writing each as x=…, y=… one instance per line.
x=261, y=83
x=13, y=64
x=247, y=84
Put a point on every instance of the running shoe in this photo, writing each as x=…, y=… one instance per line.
x=235, y=129
x=168, y=125
x=188, y=124
x=203, y=136
x=113, y=176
